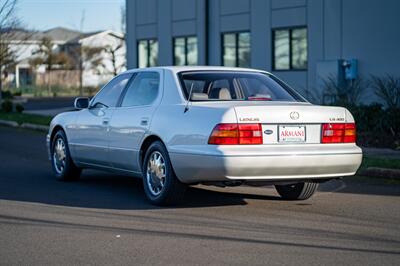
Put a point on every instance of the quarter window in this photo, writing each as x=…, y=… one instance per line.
x=236, y=49
x=185, y=51
x=143, y=90
x=290, y=49
x=147, y=53
x=110, y=93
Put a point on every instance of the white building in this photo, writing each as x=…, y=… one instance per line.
x=26, y=45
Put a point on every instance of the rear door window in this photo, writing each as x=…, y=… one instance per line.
x=143, y=90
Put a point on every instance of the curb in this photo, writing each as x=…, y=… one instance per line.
x=35, y=127
x=9, y=123
x=24, y=125
x=381, y=172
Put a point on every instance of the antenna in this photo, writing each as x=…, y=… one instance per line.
x=188, y=100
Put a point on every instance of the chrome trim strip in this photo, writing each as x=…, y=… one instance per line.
x=266, y=155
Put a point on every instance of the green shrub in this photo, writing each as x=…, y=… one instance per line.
x=376, y=126
x=19, y=108
x=17, y=93
x=6, y=95
x=7, y=106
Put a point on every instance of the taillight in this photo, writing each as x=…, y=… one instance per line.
x=338, y=133
x=236, y=134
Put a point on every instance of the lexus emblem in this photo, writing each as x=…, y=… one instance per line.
x=294, y=115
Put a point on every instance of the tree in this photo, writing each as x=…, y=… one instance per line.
x=85, y=58
x=8, y=22
x=49, y=57
x=112, y=53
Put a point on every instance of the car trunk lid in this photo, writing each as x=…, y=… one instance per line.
x=290, y=123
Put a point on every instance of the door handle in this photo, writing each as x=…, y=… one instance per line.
x=105, y=121
x=144, y=121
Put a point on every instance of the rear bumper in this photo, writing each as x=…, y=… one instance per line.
x=279, y=166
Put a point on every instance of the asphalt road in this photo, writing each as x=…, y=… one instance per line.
x=104, y=219
x=49, y=103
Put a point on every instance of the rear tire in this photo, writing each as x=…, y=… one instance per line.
x=61, y=161
x=160, y=183
x=297, y=191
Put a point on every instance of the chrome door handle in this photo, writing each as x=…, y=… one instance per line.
x=144, y=121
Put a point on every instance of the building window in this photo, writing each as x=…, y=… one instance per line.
x=185, y=51
x=236, y=49
x=290, y=49
x=147, y=53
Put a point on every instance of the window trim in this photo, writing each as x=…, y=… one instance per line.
x=236, y=46
x=290, y=29
x=147, y=52
x=185, y=38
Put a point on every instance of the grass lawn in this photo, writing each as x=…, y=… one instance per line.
x=393, y=163
x=26, y=118
x=371, y=161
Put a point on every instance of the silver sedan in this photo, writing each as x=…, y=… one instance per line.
x=176, y=126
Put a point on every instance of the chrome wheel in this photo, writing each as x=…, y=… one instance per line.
x=156, y=173
x=59, y=155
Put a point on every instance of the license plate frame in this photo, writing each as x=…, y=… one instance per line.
x=299, y=137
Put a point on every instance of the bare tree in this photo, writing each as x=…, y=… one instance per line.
x=112, y=54
x=8, y=22
x=50, y=58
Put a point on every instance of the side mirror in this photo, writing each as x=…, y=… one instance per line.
x=81, y=103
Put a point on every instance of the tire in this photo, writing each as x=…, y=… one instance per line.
x=61, y=161
x=298, y=191
x=160, y=183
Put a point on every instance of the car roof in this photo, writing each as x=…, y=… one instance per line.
x=177, y=69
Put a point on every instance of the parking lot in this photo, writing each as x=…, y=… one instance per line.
x=105, y=219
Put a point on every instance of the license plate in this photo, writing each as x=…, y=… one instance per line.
x=292, y=134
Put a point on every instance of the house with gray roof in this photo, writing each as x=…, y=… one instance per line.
x=26, y=44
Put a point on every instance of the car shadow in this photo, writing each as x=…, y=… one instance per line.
x=96, y=189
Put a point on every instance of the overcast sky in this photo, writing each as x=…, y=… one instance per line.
x=46, y=14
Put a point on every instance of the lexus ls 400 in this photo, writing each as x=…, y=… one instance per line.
x=177, y=126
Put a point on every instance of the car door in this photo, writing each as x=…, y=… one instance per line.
x=131, y=120
x=91, y=130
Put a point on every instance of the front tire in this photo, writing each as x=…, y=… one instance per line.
x=61, y=161
x=297, y=191
x=160, y=183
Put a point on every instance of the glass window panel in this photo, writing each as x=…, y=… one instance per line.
x=281, y=49
x=246, y=86
x=299, y=48
x=179, y=51
x=192, y=52
x=229, y=47
x=142, y=53
x=109, y=94
x=153, y=59
x=244, y=49
x=143, y=90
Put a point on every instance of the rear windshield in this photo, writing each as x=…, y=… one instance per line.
x=235, y=86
